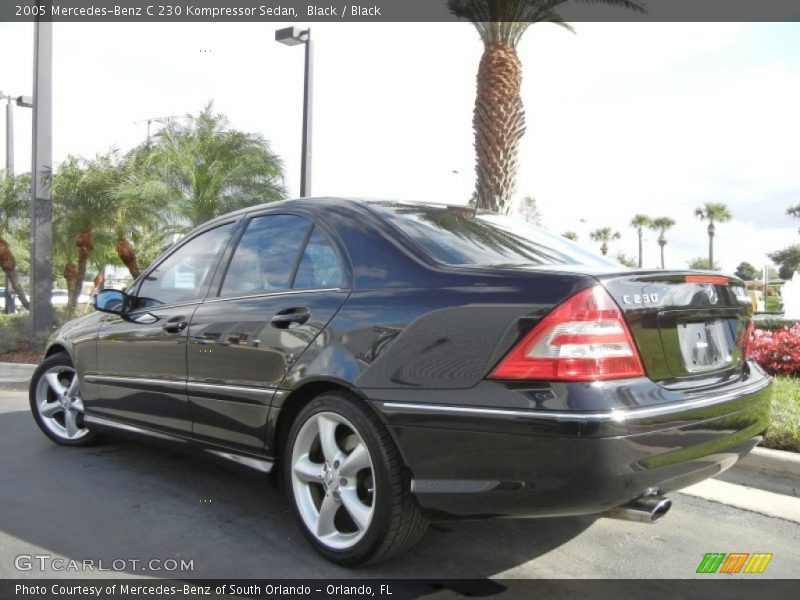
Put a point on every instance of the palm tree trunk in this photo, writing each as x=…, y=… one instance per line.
x=662, y=256
x=711, y=246
x=9, y=265
x=127, y=254
x=640, y=248
x=499, y=123
x=85, y=244
x=70, y=275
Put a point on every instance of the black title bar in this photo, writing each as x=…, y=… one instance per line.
x=304, y=11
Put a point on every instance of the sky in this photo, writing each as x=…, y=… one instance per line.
x=653, y=118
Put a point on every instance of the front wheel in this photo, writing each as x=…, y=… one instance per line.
x=56, y=402
x=348, y=485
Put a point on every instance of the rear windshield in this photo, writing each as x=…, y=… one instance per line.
x=459, y=236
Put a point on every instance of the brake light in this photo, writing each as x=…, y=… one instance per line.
x=716, y=279
x=583, y=339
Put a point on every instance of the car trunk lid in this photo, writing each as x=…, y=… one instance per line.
x=689, y=327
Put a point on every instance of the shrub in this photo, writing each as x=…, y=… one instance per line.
x=778, y=352
x=773, y=324
x=14, y=332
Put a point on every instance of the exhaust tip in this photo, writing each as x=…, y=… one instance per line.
x=660, y=509
x=646, y=509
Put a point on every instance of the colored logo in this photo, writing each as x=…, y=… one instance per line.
x=734, y=562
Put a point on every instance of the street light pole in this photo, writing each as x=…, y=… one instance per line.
x=292, y=36
x=25, y=101
x=41, y=168
x=308, y=89
x=8, y=306
x=9, y=138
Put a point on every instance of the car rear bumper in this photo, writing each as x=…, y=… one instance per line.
x=469, y=460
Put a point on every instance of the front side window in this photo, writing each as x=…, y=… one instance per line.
x=181, y=276
x=265, y=257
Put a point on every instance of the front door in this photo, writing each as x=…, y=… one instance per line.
x=142, y=354
x=283, y=284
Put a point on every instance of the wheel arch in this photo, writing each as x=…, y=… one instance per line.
x=56, y=348
x=297, y=399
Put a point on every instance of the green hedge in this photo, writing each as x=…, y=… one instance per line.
x=15, y=331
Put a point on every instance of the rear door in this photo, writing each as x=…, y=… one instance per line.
x=284, y=281
x=690, y=327
x=142, y=354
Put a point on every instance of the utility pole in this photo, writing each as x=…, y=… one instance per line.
x=41, y=169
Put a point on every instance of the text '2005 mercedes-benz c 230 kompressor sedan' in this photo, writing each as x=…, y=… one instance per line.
x=391, y=363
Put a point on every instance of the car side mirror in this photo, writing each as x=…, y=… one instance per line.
x=111, y=301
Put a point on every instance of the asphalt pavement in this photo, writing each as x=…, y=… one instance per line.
x=126, y=504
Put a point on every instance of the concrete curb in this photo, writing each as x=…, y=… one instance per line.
x=15, y=376
x=771, y=462
x=8, y=370
x=776, y=471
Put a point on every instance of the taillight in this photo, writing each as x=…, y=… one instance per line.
x=583, y=339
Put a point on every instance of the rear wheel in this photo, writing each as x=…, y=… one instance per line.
x=348, y=485
x=56, y=402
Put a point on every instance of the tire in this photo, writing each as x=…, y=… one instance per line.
x=56, y=403
x=349, y=488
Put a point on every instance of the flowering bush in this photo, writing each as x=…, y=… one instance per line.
x=778, y=352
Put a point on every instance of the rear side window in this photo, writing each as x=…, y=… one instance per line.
x=319, y=267
x=266, y=255
x=459, y=236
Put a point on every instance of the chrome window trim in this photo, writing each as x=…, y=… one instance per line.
x=272, y=294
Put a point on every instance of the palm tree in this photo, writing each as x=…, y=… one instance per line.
x=140, y=202
x=82, y=212
x=639, y=222
x=499, y=117
x=662, y=224
x=570, y=235
x=14, y=203
x=210, y=169
x=605, y=235
x=713, y=212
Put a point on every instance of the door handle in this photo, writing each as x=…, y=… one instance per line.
x=175, y=325
x=284, y=318
x=145, y=319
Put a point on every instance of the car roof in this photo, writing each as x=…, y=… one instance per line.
x=329, y=201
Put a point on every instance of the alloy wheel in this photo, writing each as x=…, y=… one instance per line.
x=333, y=480
x=59, y=403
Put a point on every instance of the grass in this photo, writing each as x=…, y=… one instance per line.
x=773, y=304
x=784, y=430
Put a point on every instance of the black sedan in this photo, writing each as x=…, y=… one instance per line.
x=391, y=363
